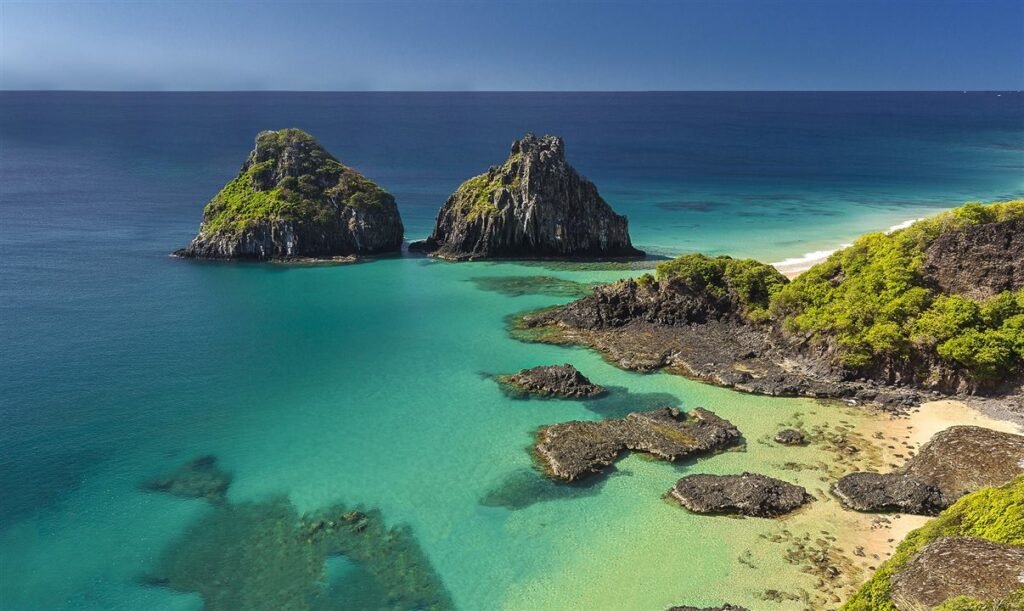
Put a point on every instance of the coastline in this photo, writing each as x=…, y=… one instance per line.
x=794, y=266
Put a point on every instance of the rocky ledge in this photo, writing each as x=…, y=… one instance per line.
x=292, y=200
x=571, y=450
x=674, y=324
x=748, y=494
x=563, y=381
x=959, y=566
x=199, y=478
x=955, y=462
x=534, y=205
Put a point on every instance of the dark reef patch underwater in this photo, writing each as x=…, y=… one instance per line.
x=518, y=286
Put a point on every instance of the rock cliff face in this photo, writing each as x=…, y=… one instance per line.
x=292, y=199
x=978, y=262
x=534, y=205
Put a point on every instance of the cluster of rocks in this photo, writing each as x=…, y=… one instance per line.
x=748, y=494
x=563, y=381
x=955, y=462
x=725, y=607
x=571, y=450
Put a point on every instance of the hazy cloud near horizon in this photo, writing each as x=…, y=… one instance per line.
x=526, y=45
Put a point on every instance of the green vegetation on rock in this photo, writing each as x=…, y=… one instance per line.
x=996, y=514
x=290, y=177
x=477, y=194
x=874, y=301
x=754, y=283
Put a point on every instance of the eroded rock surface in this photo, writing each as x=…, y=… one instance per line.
x=563, y=381
x=571, y=450
x=199, y=478
x=748, y=494
x=790, y=437
x=979, y=261
x=534, y=205
x=955, y=462
x=958, y=566
x=293, y=200
x=722, y=608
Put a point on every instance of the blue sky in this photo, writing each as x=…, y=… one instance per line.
x=512, y=45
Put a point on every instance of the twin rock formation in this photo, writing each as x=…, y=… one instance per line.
x=293, y=200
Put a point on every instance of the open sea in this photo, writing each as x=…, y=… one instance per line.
x=367, y=385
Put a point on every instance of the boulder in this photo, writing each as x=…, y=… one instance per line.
x=571, y=450
x=955, y=462
x=563, y=381
x=958, y=566
x=748, y=494
x=534, y=205
x=979, y=261
x=790, y=437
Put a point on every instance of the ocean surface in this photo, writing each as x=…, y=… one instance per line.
x=368, y=384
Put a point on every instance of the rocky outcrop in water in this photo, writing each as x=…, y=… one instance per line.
x=979, y=261
x=293, y=200
x=790, y=437
x=199, y=478
x=748, y=494
x=534, y=205
x=722, y=608
x=563, y=381
x=959, y=566
x=672, y=324
x=571, y=450
x=955, y=462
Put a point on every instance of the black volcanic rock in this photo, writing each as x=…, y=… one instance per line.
x=978, y=261
x=293, y=200
x=552, y=381
x=790, y=437
x=571, y=450
x=959, y=566
x=722, y=608
x=534, y=205
x=955, y=462
x=748, y=494
x=199, y=478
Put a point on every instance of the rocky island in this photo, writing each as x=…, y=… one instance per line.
x=882, y=321
x=535, y=205
x=293, y=200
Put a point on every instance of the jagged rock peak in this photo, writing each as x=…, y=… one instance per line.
x=535, y=205
x=293, y=199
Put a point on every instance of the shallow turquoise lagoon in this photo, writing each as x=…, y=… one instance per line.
x=369, y=384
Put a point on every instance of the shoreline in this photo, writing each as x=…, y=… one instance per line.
x=794, y=266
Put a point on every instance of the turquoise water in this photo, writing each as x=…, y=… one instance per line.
x=367, y=384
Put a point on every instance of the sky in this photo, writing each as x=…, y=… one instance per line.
x=512, y=45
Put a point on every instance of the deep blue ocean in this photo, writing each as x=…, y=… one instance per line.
x=363, y=384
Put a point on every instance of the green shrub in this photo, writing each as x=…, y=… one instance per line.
x=873, y=301
x=996, y=514
x=753, y=282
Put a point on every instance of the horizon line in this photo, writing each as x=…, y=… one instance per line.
x=508, y=91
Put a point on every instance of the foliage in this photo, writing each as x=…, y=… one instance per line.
x=872, y=299
x=996, y=514
x=476, y=196
x=753, y=282
x=290, y=177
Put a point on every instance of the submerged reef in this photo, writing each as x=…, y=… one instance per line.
x=534, y=205
x=198, y=478
x=571, y=450
x=264, y=555
x=525, y=487
x=519, y=286
x=293, y=200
